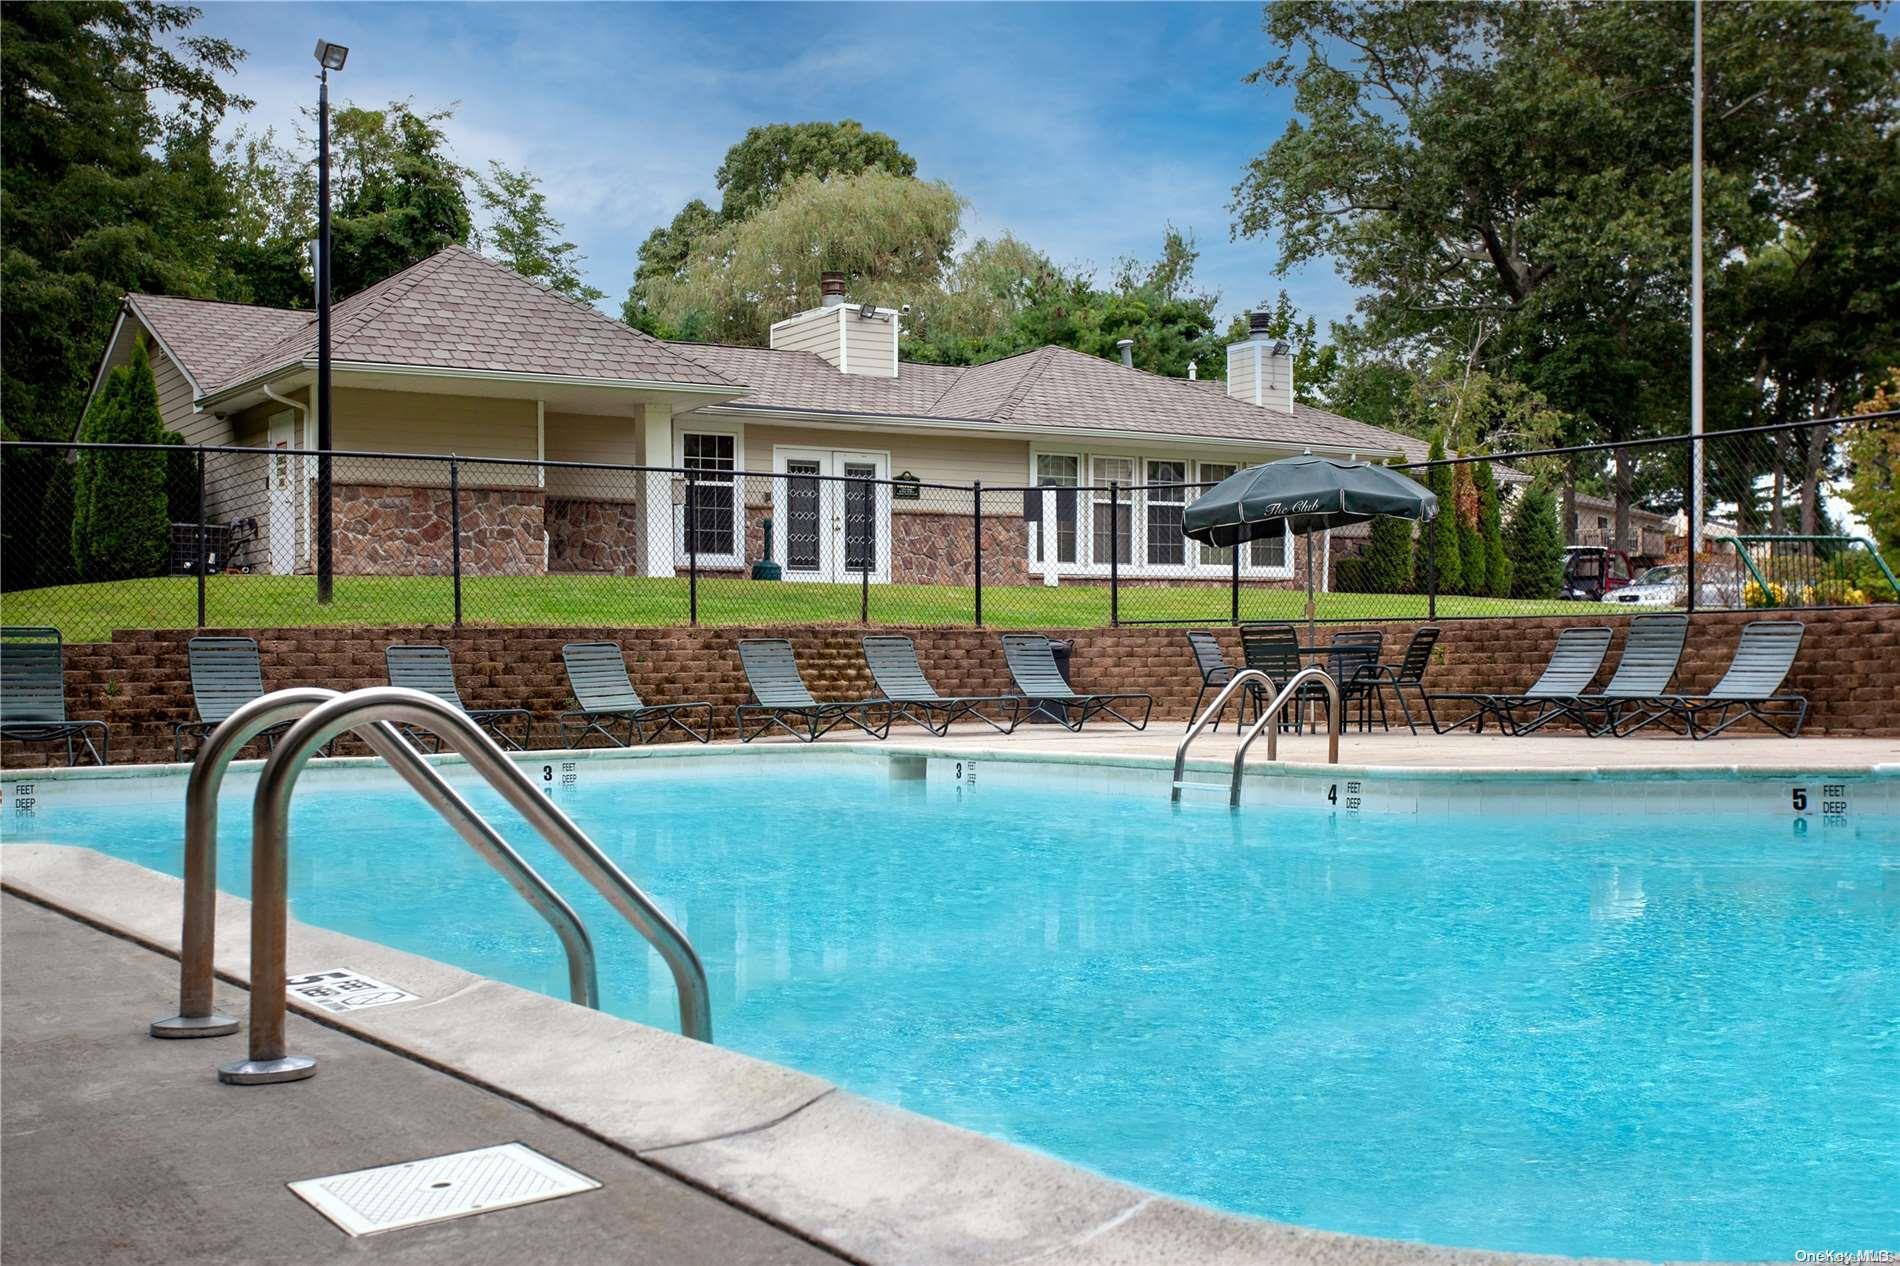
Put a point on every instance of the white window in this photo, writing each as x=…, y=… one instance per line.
x=1057, y=470
x=1109, y=529
x=709, y=505
x=1212, y=473
x=1166, y=501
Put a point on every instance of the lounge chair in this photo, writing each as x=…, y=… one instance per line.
x=431, y=669
x=894, y=666
x=778, y=692
x=1408, y=674
x=1651, y=652
x=1573, y=665
x=33, y=694
x=226, y=674
x=1032, y=663
x=1211, y=662
x=1750, y=688
x=597, y=674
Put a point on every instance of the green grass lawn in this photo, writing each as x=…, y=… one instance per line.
x=90, y=612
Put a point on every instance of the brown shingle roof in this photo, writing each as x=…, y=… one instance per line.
x=454, y=310
x=210, y=340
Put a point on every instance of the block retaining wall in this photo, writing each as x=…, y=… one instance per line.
x=1849, y=667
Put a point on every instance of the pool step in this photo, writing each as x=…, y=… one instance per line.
x=1202, y=786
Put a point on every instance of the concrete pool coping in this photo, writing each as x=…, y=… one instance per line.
x=870, y=1182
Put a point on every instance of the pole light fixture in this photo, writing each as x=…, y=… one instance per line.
x=330, y=57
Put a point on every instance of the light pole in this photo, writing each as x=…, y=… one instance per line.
x=1695, y=316
x=330, y=57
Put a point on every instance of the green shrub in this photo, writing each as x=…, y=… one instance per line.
x=121, y=516
x=1497, y=563
x=1388, y=556
x=1438, y=549
x=1349, y=576
x=1471, y=560
x=1534, y=539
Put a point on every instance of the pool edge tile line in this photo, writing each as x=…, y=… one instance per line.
x=871, y=1182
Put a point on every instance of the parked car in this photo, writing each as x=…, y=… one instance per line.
x=1592, y=572
x=1668, y=586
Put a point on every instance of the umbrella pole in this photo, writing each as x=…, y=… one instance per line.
x=1310, y=635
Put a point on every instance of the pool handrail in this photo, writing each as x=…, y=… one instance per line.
x=1213, y=711
x=197, y=1017
x=1269, y=721
x=269, y=1059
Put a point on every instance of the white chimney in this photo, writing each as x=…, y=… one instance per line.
x=1260, y=370
x=1127, y=348
x=1194, y=371
x=857, y=338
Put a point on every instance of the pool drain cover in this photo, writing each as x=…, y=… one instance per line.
x=413, y=1193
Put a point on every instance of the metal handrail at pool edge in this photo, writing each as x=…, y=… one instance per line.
x=269, y=1060
x=1211, y=713
x=196, y=1016
x=1269, y=721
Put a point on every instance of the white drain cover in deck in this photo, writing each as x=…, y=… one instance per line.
x=389, y=1197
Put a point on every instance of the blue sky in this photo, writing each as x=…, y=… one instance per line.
x=1081, y=128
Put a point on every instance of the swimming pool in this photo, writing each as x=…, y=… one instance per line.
x=1641, y=1034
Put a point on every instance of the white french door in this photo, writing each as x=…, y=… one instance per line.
x=832, y=514
x=288, y=494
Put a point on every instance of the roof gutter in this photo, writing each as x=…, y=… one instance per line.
x=991, y=425
x=255, y=382
x=303, y=410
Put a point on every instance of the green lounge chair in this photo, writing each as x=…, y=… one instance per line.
x=895, y=668
x=778, y=692
x=1764, y=655
x=226, y=674
x=597, y=673
x=33, y=694
x=431, y=669
x=1408, y=674
x=1032, y=663
x=1573, y=665
x=1651, y=652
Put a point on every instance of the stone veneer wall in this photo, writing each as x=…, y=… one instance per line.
x=1849, y=667
x=593, y=536
x=391, y=530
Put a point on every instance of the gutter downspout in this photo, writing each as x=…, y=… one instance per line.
x=303, y=410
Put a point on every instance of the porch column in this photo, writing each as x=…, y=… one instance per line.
x=656, y=518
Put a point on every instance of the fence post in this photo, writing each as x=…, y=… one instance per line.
x=455, y=532
x=1694, y=517
x=204, y=535
x=690, y=518
x=1235, y=617
x=976, y=537
x=1114, y=555
x=1431, y=569
x=866, y=547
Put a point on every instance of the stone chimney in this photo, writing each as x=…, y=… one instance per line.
x=856, y=338
x=1260, y=369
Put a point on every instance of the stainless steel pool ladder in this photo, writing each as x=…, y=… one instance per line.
x=1201, y=722
x=1269, y=719
x=370, y=713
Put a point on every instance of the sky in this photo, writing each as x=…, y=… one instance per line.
x=1083, y=129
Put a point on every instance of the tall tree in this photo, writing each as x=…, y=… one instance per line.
x=400, y=197
x=527, y=237
x=662, y=261
x=1438, y=561
x=1535, y=542
x=121, y=528
x=98, y=103
x=769, y=158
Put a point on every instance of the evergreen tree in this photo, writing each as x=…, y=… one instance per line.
x=1388, y=556
x=1497, y=562
x=1439, y=550
x=1534, y=539
x=121, y=518
x=1471, y=555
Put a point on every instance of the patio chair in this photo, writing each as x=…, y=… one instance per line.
x=899, y=675
x=431, y=669
x=778, y=692
x=1407, y=674
x=226, y=674
x=1751, y=687
x=1211, y=662
x=597, y=674
x=1352, y=661
x=1274, y=649
x=1651, y=652
x=1032, y=663
x=33, y=694
x=1573, y=665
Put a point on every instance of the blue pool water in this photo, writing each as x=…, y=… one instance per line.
x=1665, y=1038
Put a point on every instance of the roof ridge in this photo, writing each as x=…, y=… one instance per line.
x=224, y=303
x=406, y=281
x=1030, y=378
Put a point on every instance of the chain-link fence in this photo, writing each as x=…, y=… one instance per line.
x=99, y=538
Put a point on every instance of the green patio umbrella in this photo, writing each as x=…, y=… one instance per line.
x=1303, y=495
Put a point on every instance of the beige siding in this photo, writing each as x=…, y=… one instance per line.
x=870, y=346
x=421, y=422
x=934, y=459
x=1240, y=376
x=815, y=332
x=582, y=437
x=174, y=402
